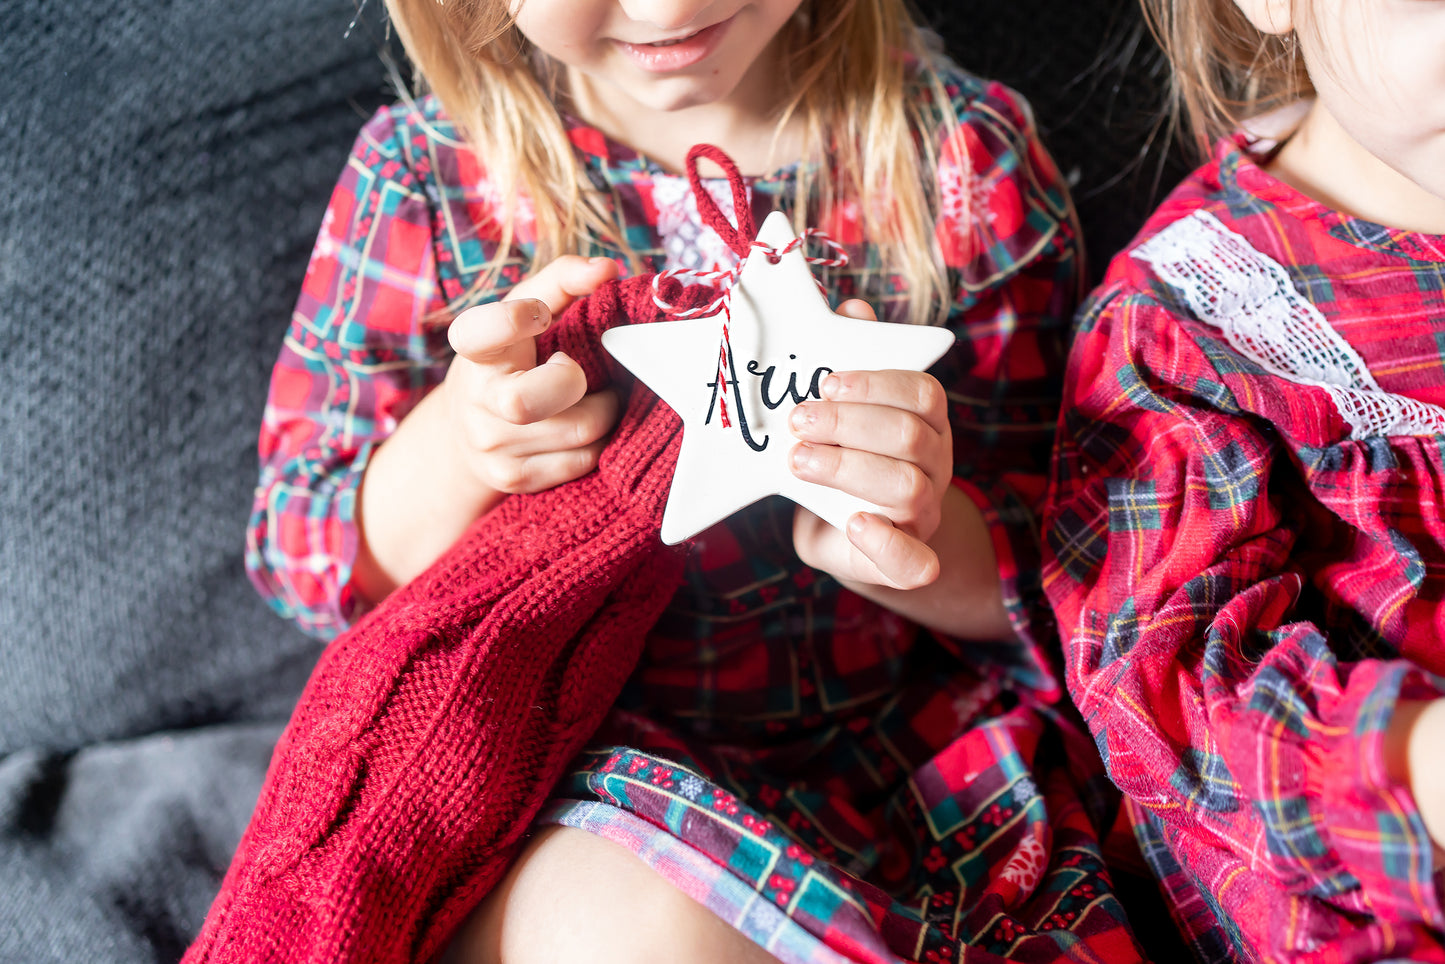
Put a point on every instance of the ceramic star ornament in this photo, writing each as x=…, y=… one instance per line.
x=734, y=376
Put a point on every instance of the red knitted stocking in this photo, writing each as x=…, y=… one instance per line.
x=431, y=733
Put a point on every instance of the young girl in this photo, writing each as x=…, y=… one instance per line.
x=811, y=777
x=1245, y=545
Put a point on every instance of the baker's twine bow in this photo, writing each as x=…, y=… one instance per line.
x=740, y=238
x=724, y=279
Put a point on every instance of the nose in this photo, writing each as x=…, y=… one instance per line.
x=667, y=14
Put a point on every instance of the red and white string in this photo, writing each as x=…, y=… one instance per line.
x=724, y=278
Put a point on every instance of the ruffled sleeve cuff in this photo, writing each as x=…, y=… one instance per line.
x=302, y=544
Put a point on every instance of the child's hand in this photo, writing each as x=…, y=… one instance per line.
x=883, y=436
x=525, y=427
x=1412, y=755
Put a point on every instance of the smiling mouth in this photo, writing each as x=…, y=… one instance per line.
x=673, y=42
x=676, y=53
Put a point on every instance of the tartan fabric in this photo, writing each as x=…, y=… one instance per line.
x=1247, y=581
x=758, y=658
x=955, y=822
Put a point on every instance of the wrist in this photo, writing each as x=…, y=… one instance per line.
x=417, y=497
x=442, y=443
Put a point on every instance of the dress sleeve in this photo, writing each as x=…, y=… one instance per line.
x=1196, y=651
x=358, y=355
x=1007, y=233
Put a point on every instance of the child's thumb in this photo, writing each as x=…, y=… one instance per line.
x=500, y=335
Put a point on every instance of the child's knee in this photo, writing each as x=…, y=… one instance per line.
x=572, y=895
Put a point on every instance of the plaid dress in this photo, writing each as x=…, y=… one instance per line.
x=830, y=780
x=1246, y=552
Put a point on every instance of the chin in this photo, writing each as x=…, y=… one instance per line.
x=679, y=96
x=671, y=104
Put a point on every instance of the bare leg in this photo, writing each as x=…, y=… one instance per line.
x=574, y=896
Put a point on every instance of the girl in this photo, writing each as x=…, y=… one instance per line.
x=810, y=773
x=1244, y=540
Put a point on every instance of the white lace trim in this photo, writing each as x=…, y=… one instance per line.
x=1385, y=413
x=1249, y=297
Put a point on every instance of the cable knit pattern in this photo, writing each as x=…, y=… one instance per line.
x=432, y=732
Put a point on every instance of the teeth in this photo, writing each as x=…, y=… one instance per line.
x=667, y=43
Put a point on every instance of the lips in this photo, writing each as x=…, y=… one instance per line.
x=675, y=54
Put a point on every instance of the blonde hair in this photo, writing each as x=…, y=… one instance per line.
x=845, y=67
x=1224, y=69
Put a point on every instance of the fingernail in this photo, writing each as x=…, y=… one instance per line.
x=537, y=316
x=834, y=387
x=599, y=260
x=804, y=459
x=856, y=524
x=803, y=417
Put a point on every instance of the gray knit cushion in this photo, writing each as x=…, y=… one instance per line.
x=164, y=174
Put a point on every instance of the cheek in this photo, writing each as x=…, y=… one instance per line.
x=783, y=10
x=1378, y=65
x=773, y=16
x=566, y=32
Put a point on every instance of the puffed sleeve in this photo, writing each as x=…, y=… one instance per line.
x=360, y=352
x=1197, y=650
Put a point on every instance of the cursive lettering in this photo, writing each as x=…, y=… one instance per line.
x=730, y=380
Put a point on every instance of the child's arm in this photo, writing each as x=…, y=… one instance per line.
x=1177, y=528
x=499, y=423
x=356, y=357
x=1413, y=743
x=361, y=358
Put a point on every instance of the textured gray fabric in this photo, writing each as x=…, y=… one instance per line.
x=113, y=852
x=164, y=175
x=164, y=172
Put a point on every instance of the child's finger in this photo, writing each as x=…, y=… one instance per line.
x=916, y=392
x=534, y=394
x=546, y=470
x=564, y=280
x=500, y=334
x=906, y=562
x=902, y=489
x=857, y=308
x=577, y=427
x=895, y=432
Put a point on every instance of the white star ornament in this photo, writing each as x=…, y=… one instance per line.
x=734, y=404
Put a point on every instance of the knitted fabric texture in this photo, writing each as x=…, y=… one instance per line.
x=432, y=732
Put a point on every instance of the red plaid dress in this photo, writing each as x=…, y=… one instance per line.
x=1246, y=551
x=828, y=779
